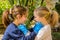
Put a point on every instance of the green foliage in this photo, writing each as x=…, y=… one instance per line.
x=11, y=2
x=30, y=4
x=56, y=35
x=4, y=5
x=58, y=7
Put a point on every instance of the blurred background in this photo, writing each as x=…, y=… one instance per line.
x=31, y=5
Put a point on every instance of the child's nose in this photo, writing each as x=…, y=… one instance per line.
x=35, y=19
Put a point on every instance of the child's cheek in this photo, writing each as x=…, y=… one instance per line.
x=24, y=19
x=35, y=19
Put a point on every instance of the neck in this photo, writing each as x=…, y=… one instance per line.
x=44, y=21
x=16, y=22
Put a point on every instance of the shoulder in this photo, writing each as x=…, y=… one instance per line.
x=11, y=27
x=47, y=26
x=45, y=29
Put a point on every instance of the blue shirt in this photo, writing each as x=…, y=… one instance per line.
x=13, y=33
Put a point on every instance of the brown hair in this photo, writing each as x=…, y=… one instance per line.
x=5, y=19
x=51, y=17
x=9, y=16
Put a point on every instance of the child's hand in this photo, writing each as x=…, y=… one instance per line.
x=23, y=29
x=38, y=26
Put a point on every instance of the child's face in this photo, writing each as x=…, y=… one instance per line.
x=37, y=17
x=41, y=18
x=23, y=18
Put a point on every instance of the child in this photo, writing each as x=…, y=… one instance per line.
x=45, y=32
x=14, y=21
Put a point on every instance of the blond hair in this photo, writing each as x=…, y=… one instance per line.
x=51, y=17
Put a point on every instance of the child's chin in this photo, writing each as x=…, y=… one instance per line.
x=23, y=22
